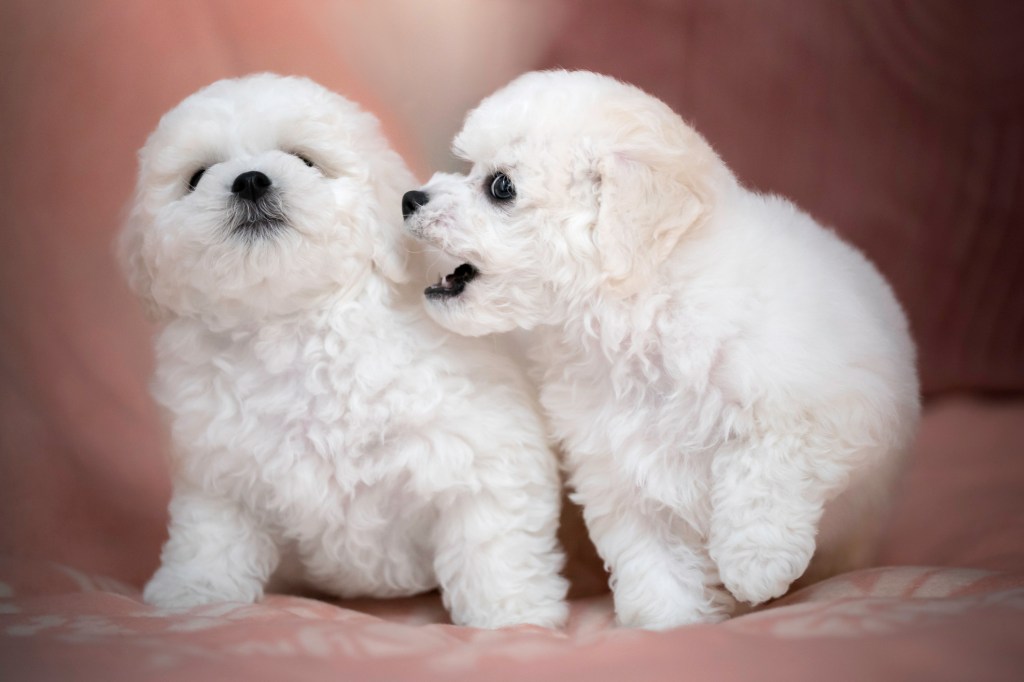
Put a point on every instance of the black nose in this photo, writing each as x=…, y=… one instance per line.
x=412, y=200
x=250, y=185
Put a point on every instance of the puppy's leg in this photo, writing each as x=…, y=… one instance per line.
x=497, y=556
x=767, y=501
x=660, y=577
x=215, y=553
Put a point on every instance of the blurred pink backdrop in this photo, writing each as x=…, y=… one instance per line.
x=899, y=123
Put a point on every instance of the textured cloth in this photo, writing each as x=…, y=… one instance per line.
x=881, y=624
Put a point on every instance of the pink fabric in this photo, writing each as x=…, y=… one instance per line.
x=895, y=623
x=962, y=500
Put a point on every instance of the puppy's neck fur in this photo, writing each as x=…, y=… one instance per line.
x=371, y=292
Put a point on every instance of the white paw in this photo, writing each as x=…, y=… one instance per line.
x=552, y=614
x=171, y=590
x=665, y=615
x=659, y=604
x=756, y=574
x=544, y=606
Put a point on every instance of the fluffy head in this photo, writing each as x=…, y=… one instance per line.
x=580, y=187
x=259, y=197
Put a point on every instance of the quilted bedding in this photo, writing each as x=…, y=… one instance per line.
x=889, y=623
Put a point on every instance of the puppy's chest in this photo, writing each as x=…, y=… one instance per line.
x=349, y=543
x=311, y=412
x=311, y=508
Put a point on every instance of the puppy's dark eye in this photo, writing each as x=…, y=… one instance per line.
x=501, y=188
x=194, y=180
x=304, y=159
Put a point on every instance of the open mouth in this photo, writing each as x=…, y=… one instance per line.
x=454, y=284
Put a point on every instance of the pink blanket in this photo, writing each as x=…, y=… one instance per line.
x=892, y=623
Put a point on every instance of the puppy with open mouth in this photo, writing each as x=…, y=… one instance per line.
x=325, y=431
x=734, y=387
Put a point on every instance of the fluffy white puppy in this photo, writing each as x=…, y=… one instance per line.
x=733, y=385
x=322, y=425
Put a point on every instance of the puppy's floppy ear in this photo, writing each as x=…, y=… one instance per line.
x=390, y=250
x=654, y=186
x=391, y=246
x=128, y=250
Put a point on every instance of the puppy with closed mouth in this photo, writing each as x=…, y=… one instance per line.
x=734, y=386
x=326, y=433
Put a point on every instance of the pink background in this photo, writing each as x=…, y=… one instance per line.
x=899, y=123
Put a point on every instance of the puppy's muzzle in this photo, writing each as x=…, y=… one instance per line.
x=257, y=211
x=412, y=200
x=250, y=186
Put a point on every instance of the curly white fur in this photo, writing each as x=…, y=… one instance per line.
x=325, y=430
x=734, y=386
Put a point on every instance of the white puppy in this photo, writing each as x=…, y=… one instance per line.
x=322, y=424
x=733, y=385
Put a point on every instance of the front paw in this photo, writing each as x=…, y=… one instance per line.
x=756, y=574
x=544, y=605
x=668, y=606
x=172, y=590
x=552, y=614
